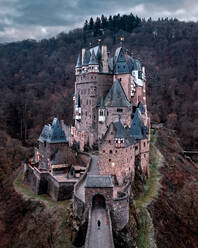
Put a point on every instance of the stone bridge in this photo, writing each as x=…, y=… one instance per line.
x=97, y=238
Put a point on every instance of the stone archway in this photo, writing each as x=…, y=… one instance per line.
x=98, y=201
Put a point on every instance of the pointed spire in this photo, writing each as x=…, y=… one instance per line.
x=79, y=61
x=86, y=57
x=93, y=60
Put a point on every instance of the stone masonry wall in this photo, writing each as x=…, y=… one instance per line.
x=116, y=161
x=120, y=213
x=106, y=192
x=91, y=88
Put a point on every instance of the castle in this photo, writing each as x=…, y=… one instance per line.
x=110, y=110
x=110, y=113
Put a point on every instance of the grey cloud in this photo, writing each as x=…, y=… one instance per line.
x=37, y=19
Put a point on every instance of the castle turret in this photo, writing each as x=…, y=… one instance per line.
x=51, y=138
x=86, y=60
x=78, y=68
x=93, y=63
x=122, y=71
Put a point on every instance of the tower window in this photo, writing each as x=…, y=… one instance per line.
x=101, y=113
x=119, y=110
x=110, y=151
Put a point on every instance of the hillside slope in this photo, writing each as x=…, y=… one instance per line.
x=175, y=211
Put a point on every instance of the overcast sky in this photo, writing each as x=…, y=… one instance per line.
x=37, y=19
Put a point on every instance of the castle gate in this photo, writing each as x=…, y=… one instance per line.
x=98, y=201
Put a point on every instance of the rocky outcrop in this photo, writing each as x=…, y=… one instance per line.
x=174, y=212
x=126, y=238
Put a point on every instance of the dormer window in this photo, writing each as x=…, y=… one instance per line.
x=119, y=142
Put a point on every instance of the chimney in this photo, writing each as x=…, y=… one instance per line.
x=105, y=59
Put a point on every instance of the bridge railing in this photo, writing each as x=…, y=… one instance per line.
x=110, y=226
x=88, y=230
x=78, y=203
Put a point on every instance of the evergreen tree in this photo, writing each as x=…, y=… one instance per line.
x=104, y=22
x=91, y=24
x=97, y=27
x=110, y=23
x=85, y=28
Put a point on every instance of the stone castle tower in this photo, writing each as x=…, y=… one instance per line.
x=106, y=89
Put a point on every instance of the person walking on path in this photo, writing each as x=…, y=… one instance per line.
x=98, y=223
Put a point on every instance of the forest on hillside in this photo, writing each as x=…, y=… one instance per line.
x=37, y=77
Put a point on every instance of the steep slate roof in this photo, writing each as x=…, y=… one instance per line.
x=79, y=61
x=116, y=96
x=137, y=128
x=97, y=51
x=123, y=133
x=96, y=181
x=93, y=60
x=53, y=133
x=120, y=132
x=86, y=57
x=120, y=63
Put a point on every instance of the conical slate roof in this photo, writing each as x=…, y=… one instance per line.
x=86, y=58
x=93, y=60
x=137, y=128
x=53, y=133
x=116, y=96
x=79, y=61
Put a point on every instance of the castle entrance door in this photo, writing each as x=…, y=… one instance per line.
x=98, y=201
